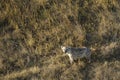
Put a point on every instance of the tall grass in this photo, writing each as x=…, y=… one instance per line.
x=32, y=31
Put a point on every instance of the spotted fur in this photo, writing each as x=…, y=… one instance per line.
x=75, y=53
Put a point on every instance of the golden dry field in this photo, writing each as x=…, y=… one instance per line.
x=32, y=31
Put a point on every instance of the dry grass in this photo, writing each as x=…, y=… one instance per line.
x=22, y=73
x=32, y=31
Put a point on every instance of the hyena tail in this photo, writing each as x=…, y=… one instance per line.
x=92, y=49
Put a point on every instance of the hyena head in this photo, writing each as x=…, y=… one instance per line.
x=63, y=48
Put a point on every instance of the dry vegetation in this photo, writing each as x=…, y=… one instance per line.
x=31, y=32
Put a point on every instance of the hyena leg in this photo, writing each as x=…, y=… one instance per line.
x=89, y=58
x=71, y=59
x=75, y=59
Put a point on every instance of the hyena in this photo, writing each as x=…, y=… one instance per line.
x=75, y=53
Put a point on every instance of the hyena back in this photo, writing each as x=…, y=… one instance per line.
x=75, y=53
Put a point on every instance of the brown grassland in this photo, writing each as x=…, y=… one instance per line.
x=32, y=31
